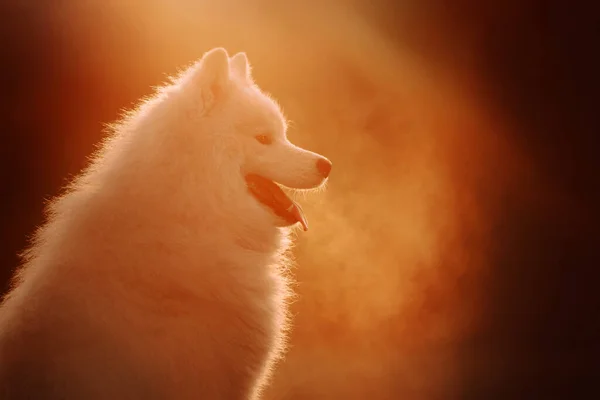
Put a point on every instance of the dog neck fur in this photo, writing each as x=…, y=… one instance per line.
x=201, y=189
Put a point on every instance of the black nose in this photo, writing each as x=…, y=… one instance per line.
x=324, y=167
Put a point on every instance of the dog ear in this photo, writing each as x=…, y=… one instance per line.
x=212, y=76
x=240, y=63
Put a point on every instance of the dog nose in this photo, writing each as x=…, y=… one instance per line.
x=324, y=167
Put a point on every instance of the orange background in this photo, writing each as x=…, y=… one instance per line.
x=452, y=254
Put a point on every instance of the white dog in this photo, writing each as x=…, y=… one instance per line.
x=157, y=275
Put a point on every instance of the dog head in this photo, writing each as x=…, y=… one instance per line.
x=251, y=128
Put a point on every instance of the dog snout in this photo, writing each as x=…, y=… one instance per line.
x=324, y=166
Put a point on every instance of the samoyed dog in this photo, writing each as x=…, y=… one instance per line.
x=158, y=273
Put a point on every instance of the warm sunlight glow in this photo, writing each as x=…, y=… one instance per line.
x=389, y=232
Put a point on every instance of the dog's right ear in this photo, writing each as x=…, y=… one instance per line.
x=240, y=63
x=212, y=76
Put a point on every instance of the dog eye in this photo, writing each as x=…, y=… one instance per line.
x=264, y=139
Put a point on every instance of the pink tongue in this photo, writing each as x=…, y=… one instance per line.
x=271, y=195
x=298, y=215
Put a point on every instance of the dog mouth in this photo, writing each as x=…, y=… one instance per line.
x=271, y=195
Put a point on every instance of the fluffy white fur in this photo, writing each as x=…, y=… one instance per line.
x=157, y=275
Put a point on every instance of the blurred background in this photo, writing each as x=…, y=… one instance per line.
x=455, y=252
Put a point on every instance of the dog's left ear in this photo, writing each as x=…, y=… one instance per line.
x=239, y=62
x=212, y=76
